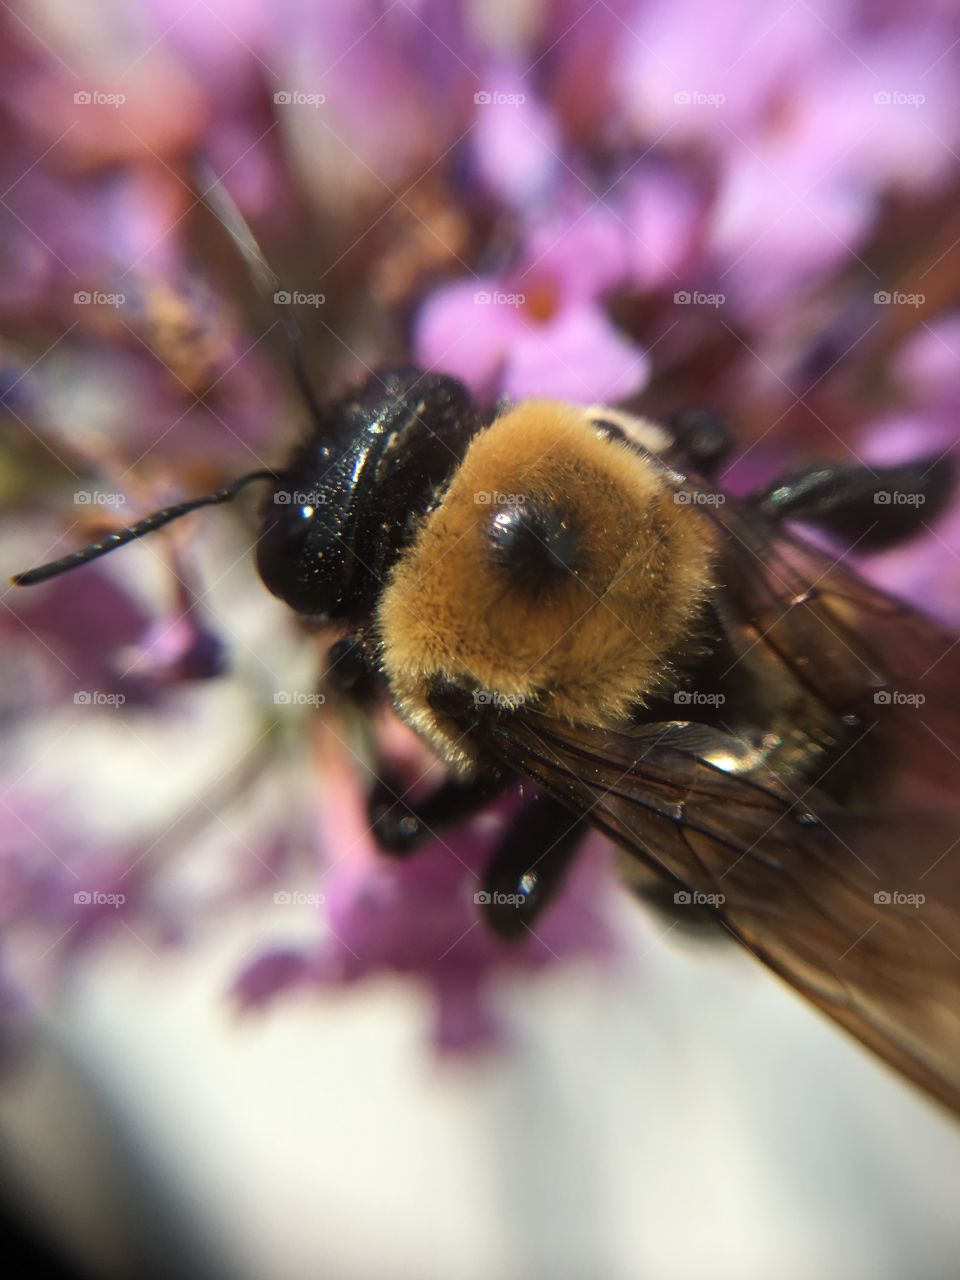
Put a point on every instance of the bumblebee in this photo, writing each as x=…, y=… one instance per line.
x=563, y=594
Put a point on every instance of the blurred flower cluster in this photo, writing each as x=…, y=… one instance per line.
x=742, y=206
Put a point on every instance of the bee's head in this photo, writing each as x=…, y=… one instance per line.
x=348, y=500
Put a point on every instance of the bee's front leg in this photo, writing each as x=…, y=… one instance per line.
x=702, y=439
x=401, y=826
x=530, y=865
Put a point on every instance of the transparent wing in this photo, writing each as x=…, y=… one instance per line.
x=856, y=904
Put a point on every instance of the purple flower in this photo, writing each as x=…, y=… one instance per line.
x=732, y=207
x=806, y=119
x=542, y=323
x=418, y=915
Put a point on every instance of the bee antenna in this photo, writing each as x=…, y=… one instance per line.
x=147, y=525
x=265, y=279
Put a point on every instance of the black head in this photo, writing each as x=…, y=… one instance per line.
x=348, y=500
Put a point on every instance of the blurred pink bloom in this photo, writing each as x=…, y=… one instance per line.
x=540, y=324
x=418, y=914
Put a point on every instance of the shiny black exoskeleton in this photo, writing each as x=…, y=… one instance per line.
x=350, y=497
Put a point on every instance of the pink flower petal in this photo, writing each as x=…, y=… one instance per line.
x=466, y=330
x=516, y=143
x=580, y=356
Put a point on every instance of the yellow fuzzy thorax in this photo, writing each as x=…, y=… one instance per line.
x=591, y=649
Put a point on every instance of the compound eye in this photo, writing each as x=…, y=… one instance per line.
x=536, y=543
x=284, y=555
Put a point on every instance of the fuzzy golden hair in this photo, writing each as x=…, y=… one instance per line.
x=592, y=645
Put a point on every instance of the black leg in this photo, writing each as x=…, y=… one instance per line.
x=873, y=508
x=530, y=865
x=351, y=672
x=701, y=438
x=400, y=827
